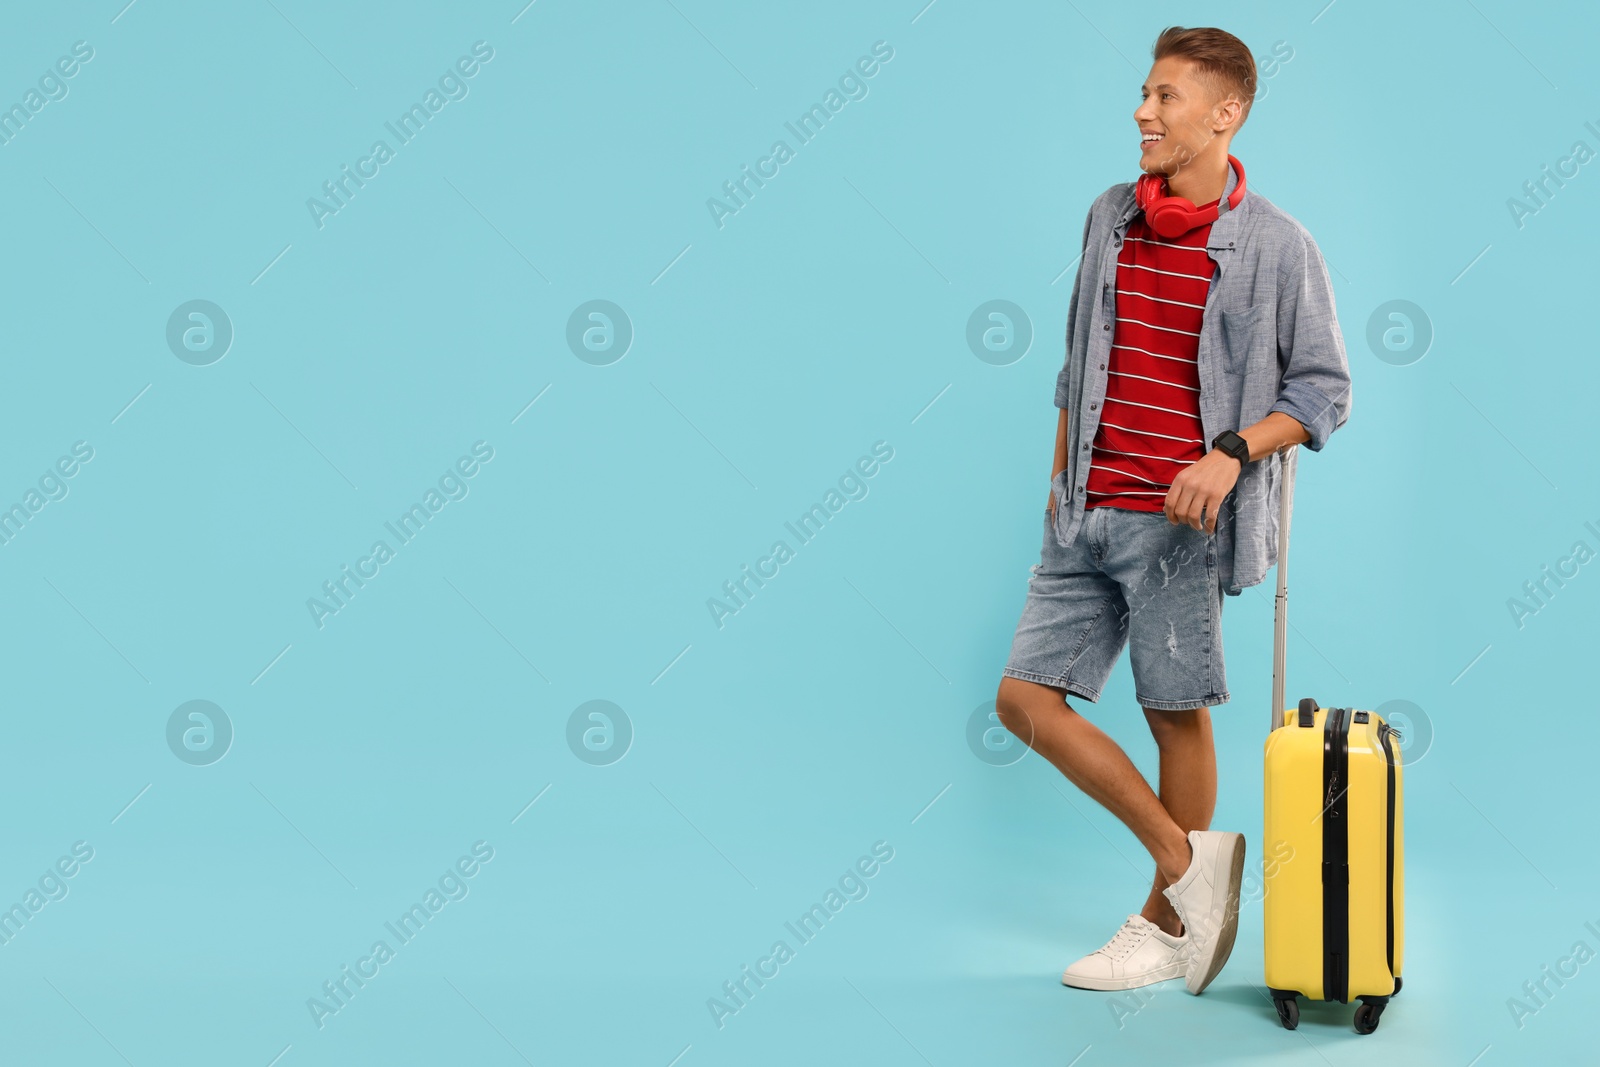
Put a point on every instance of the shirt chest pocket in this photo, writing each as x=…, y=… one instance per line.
x=1248, y=338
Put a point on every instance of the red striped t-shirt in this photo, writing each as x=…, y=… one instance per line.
x=1150, y=423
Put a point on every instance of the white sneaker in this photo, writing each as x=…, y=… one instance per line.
x=1139, y=954
x=1206, y=898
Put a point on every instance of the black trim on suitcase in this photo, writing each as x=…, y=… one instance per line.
x=1335, y=860
x=1384, y=731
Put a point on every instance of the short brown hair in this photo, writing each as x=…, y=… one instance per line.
x=1221, y=62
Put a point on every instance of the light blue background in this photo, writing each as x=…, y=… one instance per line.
x=829, y=713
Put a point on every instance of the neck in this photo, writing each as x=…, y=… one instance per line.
x=1201, y=181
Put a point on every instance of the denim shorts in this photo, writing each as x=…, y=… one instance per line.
x=1129, y=577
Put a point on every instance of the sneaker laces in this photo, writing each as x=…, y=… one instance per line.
x=1134, y=933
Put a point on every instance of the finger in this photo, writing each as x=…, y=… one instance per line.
x=1188, y=508
x=1175, y=507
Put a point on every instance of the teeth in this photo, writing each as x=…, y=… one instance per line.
x=1151, y=137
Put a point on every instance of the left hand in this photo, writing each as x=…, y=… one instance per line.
x=1198, y=490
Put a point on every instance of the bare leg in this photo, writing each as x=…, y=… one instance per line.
x=1040, y=716
x=1188, y=789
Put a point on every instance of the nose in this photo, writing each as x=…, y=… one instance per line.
x=1144, y=112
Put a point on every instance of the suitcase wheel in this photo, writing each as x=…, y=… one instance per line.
x=1368, y=1014
x=1288, y=1011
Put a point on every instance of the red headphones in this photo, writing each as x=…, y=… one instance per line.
x=1173, y=216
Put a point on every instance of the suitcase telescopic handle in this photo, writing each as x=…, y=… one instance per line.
x=1280, y=615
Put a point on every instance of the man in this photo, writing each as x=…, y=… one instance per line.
x=1200, y=342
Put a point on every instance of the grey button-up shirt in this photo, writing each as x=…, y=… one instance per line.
x=1269, y=341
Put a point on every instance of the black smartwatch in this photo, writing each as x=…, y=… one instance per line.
x=1234, y=445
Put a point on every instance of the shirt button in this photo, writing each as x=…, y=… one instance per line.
x=1093, y=406
x=1102, y=366
x=1107, y=326
x=1080, y=488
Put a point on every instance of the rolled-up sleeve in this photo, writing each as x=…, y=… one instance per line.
x=1072, y=311
x=1316, y=373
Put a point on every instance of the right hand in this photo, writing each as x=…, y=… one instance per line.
x=1050, y=508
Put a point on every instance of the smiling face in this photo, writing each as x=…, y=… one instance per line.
x=1181, y=119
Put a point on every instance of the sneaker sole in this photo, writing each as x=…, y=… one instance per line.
x=1177, y=971
x=1206, y=965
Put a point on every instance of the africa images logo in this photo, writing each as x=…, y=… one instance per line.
x=852, y=885
x=453, y=484
x=452, y=885
x=338, y=192
x=852, y=485
x=852, y=85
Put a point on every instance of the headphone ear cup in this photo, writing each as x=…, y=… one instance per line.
x=1168, y=215
x=1174, y=216
x=1171, y=217
x=1148, y=191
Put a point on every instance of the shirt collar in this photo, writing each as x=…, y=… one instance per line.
x=1227, y=190
x=1225, y=229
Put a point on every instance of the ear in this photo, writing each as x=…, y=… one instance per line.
x=1225, y=114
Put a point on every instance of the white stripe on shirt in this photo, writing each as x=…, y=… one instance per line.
x=1141, y=455
x=1158, y=355
x=1125, y=474
x=1173, y=273
x=1158, y=381
x=1151, y=433
x=1135, y=492
x=1153, y=326
x=1134, y=403
x=1147, y=296
x=1166, y=244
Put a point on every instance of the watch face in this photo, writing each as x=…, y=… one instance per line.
x=1231, y=443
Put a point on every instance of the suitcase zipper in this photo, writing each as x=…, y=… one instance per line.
x=1335, y=861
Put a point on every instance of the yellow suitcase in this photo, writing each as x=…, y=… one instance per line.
x=1334, y=873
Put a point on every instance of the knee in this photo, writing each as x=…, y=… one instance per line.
x=1018, y=701
x=1177, y=727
